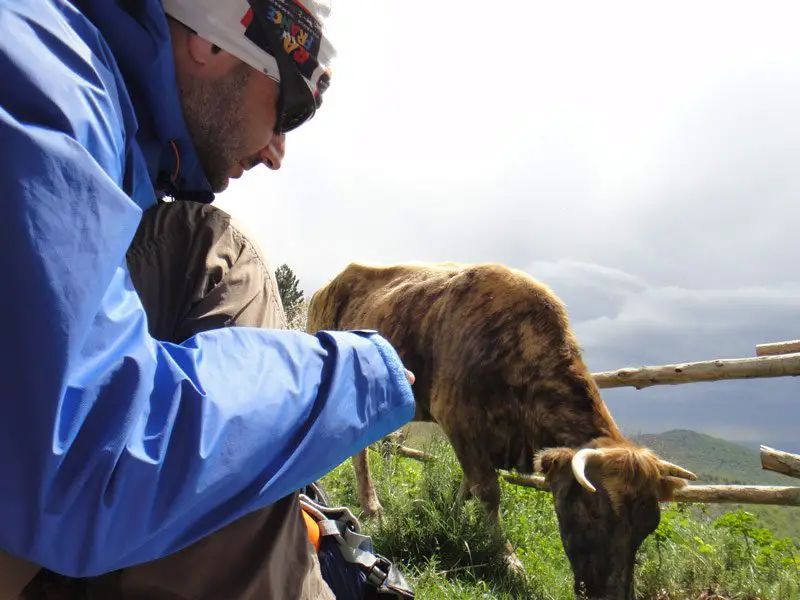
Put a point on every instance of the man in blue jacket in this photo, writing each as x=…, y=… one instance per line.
x=195, y=268
x=118, y=448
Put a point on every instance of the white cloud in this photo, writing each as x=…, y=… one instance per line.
x=640, y=158
x=632, y=132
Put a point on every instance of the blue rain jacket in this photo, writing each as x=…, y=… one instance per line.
x=116, y=448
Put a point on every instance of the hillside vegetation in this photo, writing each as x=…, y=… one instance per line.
x=446, y=552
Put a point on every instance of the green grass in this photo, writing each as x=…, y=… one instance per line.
x=446, y=551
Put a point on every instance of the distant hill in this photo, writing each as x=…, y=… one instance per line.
x=713, y=460
x=717, y=462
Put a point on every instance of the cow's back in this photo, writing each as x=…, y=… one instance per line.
x=487, y=343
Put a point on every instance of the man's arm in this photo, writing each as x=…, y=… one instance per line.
x=117, y=448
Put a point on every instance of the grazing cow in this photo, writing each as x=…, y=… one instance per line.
x=499, y=369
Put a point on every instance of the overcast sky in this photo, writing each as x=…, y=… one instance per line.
x=641, y=158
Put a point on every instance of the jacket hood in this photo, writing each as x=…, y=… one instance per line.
x=137, y=34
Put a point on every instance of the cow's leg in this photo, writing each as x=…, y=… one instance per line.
x=367, y=497
x=480, y=480
x=464, y=490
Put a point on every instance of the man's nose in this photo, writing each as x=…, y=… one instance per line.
x=272, y=155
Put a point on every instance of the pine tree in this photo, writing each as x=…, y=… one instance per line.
x=291, y=295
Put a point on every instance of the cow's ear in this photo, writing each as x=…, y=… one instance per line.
x=551, y=460
x=667, y=487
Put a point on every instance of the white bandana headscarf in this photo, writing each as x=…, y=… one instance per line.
x=225, y=23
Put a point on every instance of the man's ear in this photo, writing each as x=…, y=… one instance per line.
x=200, y=50
x=195, y=55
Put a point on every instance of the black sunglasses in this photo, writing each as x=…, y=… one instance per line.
x=296, y=102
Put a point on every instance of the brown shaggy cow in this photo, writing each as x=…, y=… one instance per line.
x=498, y=368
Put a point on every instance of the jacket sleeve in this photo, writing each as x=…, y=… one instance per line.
x=116, y=448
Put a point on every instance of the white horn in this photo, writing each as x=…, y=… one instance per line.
x=579, y=466
x=675, y=470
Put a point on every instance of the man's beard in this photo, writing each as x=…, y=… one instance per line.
x=215, y=118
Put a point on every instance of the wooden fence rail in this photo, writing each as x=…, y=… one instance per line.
x=780, y=462
x=712, y=494
x=786, y=365
x=772, y=348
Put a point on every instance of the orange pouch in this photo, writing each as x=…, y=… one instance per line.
x=313, y=529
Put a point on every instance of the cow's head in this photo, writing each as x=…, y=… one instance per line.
x=606, y=500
